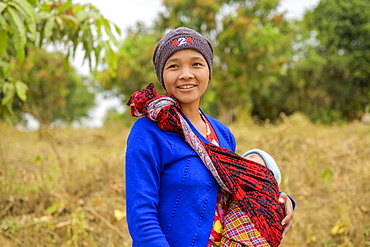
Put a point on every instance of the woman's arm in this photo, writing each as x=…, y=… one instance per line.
x=143, y=169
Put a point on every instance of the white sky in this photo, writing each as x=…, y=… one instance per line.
x=125, y=13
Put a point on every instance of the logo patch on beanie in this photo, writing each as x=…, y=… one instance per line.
x=182, y=41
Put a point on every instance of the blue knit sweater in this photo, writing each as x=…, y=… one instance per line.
x=171, y=196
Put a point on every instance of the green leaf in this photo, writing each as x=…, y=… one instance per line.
x=108, y=30
x=60, y=22
x=82, y=15
x=66, y=64
x=48, y=28
x=26, y=9
x=118, y=30
x=34, y=2
x=327, y=174
x=70, y=18
x=38, y=159
x=98, y=25
x=6, y=68
x=10, y=224
x=19, y=37
x=3, y=42
x=44, y=15
x=21, y=89
x=55, y=207
x=2, y=7
x=29, y=14
x=98, y=49
x=8, y=91
x=32, y=28
x=65, y=6
x=94, y=15
x=88, y=41
x=3, y=23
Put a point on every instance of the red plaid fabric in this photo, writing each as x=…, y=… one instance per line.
x=252, y=186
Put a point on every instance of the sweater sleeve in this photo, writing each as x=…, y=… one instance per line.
x=143, y=169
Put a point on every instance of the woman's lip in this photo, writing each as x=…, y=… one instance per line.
x=186, y=86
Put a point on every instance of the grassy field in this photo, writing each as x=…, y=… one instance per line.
x=67, y=188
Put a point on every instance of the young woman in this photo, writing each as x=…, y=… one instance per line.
x=172, y=184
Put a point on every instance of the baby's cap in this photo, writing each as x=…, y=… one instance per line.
x=270, y=162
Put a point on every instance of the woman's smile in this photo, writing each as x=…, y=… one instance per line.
x=186, y=86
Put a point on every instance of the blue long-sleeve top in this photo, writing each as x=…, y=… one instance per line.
x=170, y=194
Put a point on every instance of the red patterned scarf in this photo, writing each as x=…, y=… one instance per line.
x=252, y=185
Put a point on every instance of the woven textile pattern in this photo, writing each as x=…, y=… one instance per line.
x=240, y=231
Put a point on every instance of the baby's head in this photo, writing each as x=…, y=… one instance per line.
x=256, y=158
x=265, y=159
x=180, y=39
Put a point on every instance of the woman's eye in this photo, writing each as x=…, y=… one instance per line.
x=197, y=64
x=172, y=66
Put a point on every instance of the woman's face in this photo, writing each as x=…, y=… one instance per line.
x=186, y=76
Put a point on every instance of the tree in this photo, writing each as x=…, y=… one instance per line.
x=26, y=24
x=334, y=69
x=252, y=47
x=56, y=91
x=17, y=28
x=134, y=68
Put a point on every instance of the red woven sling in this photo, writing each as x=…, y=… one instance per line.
x=251, y=185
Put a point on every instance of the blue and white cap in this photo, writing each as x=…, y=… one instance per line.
x=269, y=161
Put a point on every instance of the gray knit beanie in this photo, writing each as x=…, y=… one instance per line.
x=180, y=39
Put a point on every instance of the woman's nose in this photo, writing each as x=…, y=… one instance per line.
x=186, y=74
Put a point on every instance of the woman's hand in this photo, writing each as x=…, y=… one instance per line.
x=288, y=220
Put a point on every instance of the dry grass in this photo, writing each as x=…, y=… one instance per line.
x=62, y=190
x=327, y=171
